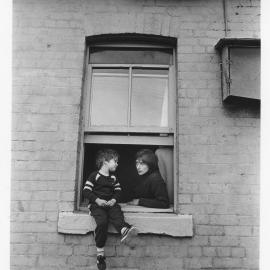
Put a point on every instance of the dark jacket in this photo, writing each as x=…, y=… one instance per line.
x=103, y=187
x=151, y=190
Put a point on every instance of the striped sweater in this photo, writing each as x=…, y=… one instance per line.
x=101, y=186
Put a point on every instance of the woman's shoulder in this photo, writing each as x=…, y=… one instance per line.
x=155, y=176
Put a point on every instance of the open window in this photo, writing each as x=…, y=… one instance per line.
x=129, y=103
x=240, y=69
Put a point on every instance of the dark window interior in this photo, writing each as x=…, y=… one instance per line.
x=126, y=170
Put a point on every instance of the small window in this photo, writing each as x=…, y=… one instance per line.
x=240, y=66
x=129, y=104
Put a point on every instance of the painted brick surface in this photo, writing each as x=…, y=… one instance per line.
x=219, y=144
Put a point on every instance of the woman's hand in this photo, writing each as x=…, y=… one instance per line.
x=134, y=202
x=101, y=202
x=111, y=202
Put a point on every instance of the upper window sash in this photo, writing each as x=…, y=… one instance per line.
x=127, y=81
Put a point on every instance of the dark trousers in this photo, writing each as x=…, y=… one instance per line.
x=103, y=216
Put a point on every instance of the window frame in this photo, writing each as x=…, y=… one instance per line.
x=225, y=46
x=132, y=135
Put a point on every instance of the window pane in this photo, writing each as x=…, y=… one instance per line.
x=245, y=72
x=109, y=103
x=149, y=101
x=130, y=56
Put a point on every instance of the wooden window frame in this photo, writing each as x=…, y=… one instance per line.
x=144, y=135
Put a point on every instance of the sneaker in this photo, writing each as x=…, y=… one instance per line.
x=128, y=234
x=101, y=264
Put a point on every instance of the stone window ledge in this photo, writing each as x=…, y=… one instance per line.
x=155, y=223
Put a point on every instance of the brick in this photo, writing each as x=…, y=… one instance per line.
x=198, y=263
x=19, y=249
x=45, y=195
x=209, y=230
x=238, y=230
x=238, y=252
x=50, y=206
x=51, y=260
x=77, y=260
x=21, y=195
x=34, y=249
x=80, y=250
x=224, y=240
x=23, y=260
x=184, y=198
x=227, y=262
x=50, y=238
x=195, y=252
x=223, y=251
x=202, y=219
x=65, y=250
x=50, y=249
x=67, y=196
x=23, y=238
x=32, y=227
x=224, y=220
x=250, y=262
x=28, y=217
x=209, y=251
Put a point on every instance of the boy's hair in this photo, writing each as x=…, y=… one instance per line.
x=148, y=157
x=105, y=155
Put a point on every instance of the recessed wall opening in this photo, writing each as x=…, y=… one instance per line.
x=126, y=170
x=128, y=105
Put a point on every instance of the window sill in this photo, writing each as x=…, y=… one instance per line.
x=147, y=223
x=140, y=209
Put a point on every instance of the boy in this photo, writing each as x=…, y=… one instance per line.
x=103, y=192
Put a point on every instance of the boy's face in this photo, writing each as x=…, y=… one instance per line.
x=112, y=164
x=141, y=167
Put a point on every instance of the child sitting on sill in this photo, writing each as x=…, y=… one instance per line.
x=103, y=192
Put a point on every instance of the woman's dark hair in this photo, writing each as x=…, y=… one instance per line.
x=148, y=157
x=105, y=155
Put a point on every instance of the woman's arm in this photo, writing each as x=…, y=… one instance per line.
x=159, y=193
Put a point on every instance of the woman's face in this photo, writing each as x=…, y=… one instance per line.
x=141, y=167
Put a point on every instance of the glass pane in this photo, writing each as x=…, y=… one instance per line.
x=245, y=72
x=109, y=103
x=149, y=101
x=130, y=56
x=150, y=71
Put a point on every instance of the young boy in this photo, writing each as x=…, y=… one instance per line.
x=103, y=192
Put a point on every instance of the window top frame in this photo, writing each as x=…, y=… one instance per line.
x=130, y=45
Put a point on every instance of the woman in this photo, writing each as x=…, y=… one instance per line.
x=149, y=188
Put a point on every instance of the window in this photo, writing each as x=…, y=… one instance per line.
x=240, y=69
x=128, y=104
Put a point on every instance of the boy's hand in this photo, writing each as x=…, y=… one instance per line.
x=134, y=202
x=101, y=202
x=111, y=202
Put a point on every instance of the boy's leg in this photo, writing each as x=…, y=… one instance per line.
x=116, y=217
x=101, y=217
